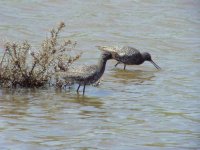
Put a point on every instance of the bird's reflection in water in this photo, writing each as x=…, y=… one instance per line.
x=133, y=76
x=84, y=100
x=88, y=106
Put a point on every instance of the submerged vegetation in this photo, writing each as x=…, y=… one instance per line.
x=20, y=66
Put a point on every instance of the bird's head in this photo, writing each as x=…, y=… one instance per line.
x=147, y=57
x=106, y=55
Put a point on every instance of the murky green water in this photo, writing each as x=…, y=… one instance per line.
x=140, y=108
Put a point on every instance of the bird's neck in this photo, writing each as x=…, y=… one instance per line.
x=102, y=65
x=143, y=58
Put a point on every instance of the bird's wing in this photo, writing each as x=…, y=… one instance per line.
x=80, y=72
x=129, y=51
x=120, y=50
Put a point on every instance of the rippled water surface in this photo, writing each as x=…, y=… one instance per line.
x=140, y=108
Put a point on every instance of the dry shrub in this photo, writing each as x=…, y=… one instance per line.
x=21, y=67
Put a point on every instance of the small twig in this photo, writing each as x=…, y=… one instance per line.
x=4, y=54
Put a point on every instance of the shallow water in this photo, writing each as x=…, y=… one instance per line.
x=140, y=108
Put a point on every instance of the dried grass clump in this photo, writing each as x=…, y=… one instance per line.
x=21, y=67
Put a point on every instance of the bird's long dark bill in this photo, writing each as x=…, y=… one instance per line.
x=155, y=65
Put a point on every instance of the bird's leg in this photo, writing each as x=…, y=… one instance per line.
x=78, y=88
x=124, y=67
x=84, y=89
x=117, y=63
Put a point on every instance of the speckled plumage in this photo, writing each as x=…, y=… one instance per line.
x=86, y=75
x=128, y=55
x=83, y=74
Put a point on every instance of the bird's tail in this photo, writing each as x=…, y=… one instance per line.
x=108, y=48
x=112, y=50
